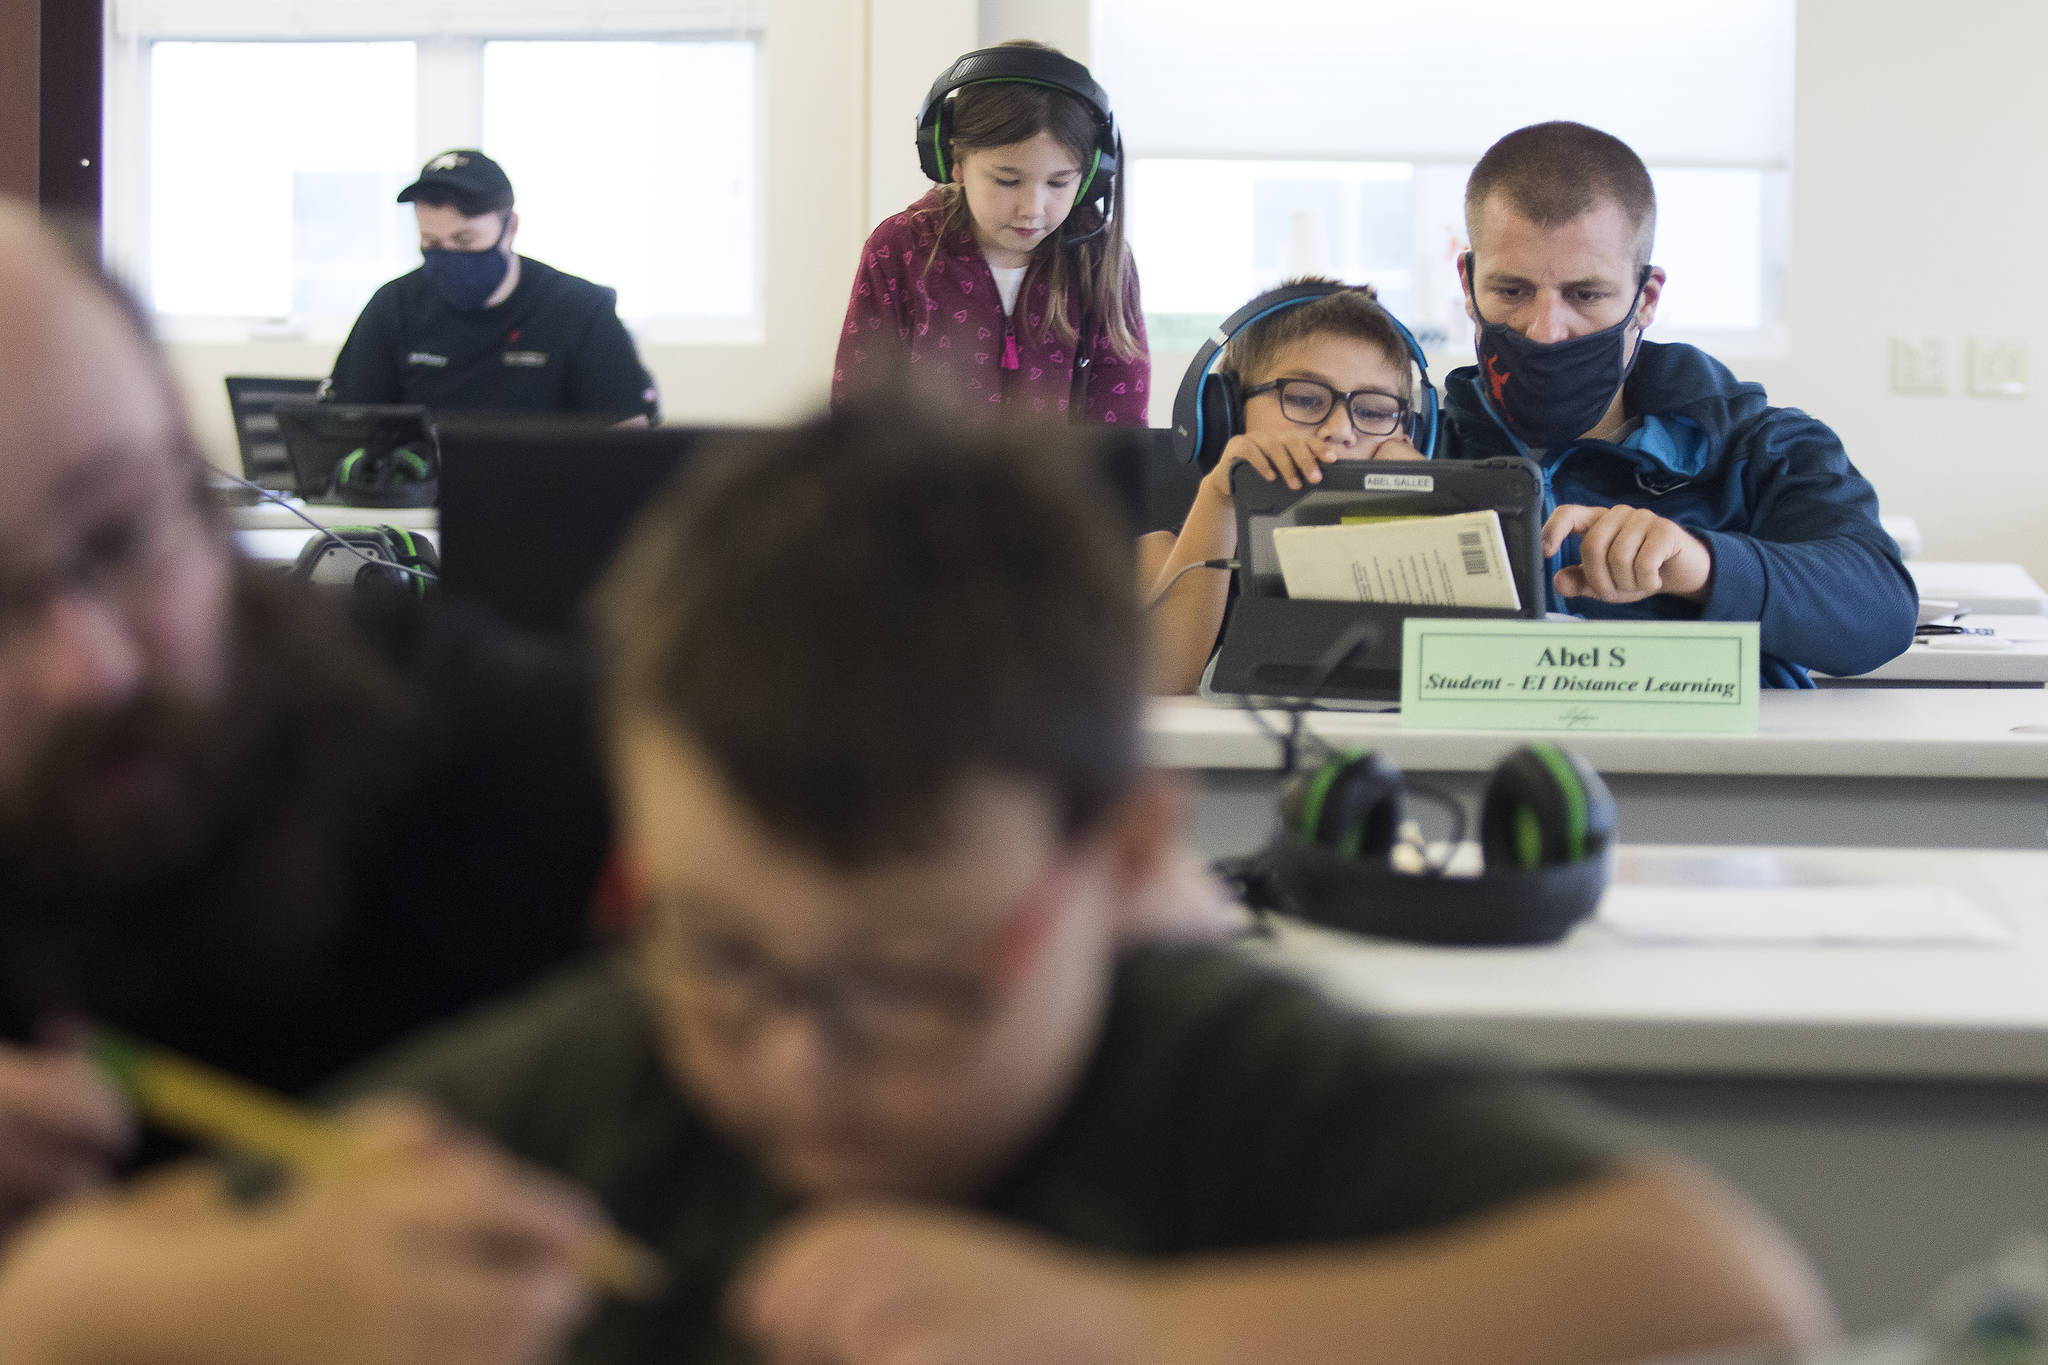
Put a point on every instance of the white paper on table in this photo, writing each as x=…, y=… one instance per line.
x=1867, y=914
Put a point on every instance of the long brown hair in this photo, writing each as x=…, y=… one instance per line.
x=1003, y=113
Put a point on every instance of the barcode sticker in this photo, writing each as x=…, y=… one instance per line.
x=1472, y=546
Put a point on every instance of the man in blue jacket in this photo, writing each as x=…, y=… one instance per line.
x=1677, y=491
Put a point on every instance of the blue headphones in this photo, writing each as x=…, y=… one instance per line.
x=1209, y=410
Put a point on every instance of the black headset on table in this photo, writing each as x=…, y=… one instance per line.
x=1209, y=409
x=1547, y=835
x=399, y=477
x=1025, y=66
x=384, y=561
x=1546, y=840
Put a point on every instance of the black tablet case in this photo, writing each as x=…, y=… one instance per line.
x=1274, y=646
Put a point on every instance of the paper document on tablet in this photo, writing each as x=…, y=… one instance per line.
x=1799, y=915
x=1451, y=561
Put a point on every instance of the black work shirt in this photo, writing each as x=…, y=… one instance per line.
x=555, y=345
x=1226, y=1107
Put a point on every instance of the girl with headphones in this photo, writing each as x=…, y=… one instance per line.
x=1317, y=371
x=1007, y=290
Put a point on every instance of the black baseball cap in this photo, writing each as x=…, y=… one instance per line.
x=464, y=173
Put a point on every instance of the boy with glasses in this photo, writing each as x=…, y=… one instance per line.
x=892, y=1073
x=1321, y=381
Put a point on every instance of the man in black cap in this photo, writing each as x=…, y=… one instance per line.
x=478, y=328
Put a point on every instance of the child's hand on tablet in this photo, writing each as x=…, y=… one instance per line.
x=1295, y=458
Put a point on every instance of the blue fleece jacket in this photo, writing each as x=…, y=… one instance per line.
x=1792, y=526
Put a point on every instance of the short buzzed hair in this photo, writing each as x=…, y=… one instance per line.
x=853, y=617
x=1551, y=173
x=1352, y=312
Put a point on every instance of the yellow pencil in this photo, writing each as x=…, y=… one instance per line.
x=195, y=1101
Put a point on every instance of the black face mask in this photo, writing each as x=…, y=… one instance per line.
x=1551, y=393
x=467, y=279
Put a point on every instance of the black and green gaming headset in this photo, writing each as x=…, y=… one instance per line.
x=1546, y=839
x=1025, y=66
x=383, y=562
x=403, y=476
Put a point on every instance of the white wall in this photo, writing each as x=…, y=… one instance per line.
x=909, y=43
x=1063, y=23
x=1920, y=207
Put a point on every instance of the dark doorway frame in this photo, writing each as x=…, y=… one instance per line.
x=52, y=85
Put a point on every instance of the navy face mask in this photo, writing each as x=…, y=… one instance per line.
x=1552, y=392
x=466, y=279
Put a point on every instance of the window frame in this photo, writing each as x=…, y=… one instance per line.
x=448, y=77
x=1449, y=345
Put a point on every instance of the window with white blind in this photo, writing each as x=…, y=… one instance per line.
x=276, y=217
x=643, y=178
x=257, y=146
x=1335, y=136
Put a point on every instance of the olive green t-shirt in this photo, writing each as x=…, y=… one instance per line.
x=1226, y=1107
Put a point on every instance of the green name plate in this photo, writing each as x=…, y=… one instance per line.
x=1696, y=676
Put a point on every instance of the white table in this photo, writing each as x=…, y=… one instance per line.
x=270, y=515
x=1881, y=766
x=270, y=533
x=1927, y=664
x=1600, y=1001
x=2000, y=588
x=1890, y=1103
x=280, y=546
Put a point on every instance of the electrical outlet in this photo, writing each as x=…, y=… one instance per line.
x=1919, y=365
x=1998, y=367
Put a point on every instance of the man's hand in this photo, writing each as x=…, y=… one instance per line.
x=1627, y=554
x=436, y=1251
x=62, y=1129
x=892, y=1285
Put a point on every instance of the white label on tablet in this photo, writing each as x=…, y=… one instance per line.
x=1401, y=483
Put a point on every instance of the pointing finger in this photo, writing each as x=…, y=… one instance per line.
x=1568, y=520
